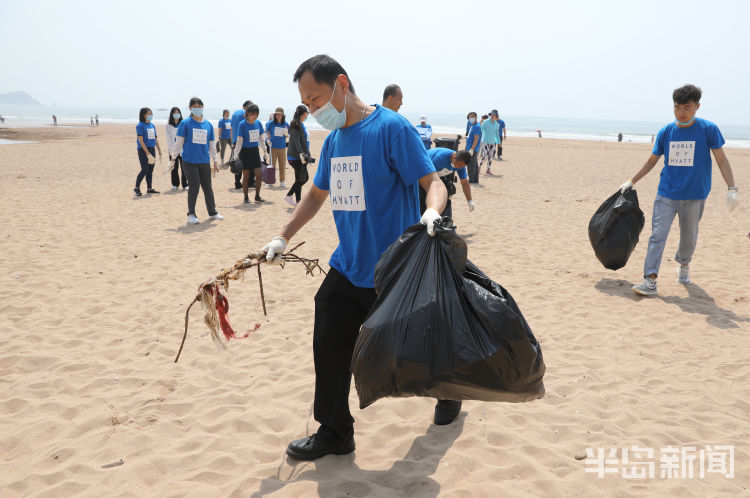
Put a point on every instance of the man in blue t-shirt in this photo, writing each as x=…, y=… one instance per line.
x=684, y=185
x=502, y=137
x=370, y=166
x=425, y=131
x=237, y=118
x=447, y=164
x=473, y=140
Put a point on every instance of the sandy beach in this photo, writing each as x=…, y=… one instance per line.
x=95, y=283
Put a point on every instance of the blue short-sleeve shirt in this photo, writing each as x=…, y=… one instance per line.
x=197, y=136
x=441, y=159
x=250, y=133
x=148, y=132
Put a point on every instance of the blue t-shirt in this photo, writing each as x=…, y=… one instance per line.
x=237, y=117
x=425, y=132
x=148, y=132
x=225, y=128
x=474, y=131
x=371, y=169
x=441, y=159
x=687, y=159
x=197, y=136
x=276, y=130
x=250, y=133
x=501, y=126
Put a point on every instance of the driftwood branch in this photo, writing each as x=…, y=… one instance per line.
x=215, y=303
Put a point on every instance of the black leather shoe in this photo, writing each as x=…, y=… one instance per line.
x=313, y=447
x=446, y=411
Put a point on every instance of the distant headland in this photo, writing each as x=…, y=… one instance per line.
x=17, y=98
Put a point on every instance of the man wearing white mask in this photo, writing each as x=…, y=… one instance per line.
x=370, y=166
x=425, y=131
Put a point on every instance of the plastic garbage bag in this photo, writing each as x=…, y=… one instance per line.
x=615, y=227
x=441, y=328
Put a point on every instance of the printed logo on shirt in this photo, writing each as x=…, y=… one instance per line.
x=253, y=135
x=151, y=134
x=227, y=125
x=278, y=131
x=681, y=153
x=200, y=136
x=347, y=184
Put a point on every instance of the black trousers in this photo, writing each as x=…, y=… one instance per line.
x=300, y=178
x=340, y=310
x=473, y=167
x=178, y=167
x=199, y=176
x=147, y=170
x=448, y=211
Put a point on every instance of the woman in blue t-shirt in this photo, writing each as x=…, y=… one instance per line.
x=197, y=144
x=225, y=134
x=278, y=131
x=146, y=142
x=250, y=135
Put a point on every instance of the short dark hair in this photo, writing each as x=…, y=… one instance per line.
x=472, y=113
x=390, y=91
x=142, y=114
x=193, y=101
x=225, y=111
x=687, y=93
x=247, y=103
x=464, y=156
x=324, y=69
x=174, y=122
x=252, y=109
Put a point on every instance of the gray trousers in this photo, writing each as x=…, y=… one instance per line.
x=690, y=213
x=199, y=175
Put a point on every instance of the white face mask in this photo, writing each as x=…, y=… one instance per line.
x=328, y=117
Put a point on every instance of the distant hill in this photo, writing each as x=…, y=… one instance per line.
x=17, y=98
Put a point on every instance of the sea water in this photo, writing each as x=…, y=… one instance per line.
x=442, y=123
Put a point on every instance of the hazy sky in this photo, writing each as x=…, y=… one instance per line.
x=589, y=59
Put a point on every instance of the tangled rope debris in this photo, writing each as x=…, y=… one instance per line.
x=215, y=304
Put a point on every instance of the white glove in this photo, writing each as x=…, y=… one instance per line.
x=151, y=159
x=304, y=158
x=170, y=166
x=428, y=218
x=274, y=250
x=733, y=199
x=471, y=206
x=628, y=184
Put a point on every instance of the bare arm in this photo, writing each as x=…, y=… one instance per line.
x=476, y=141
x=306, y=210
x=504, y=135
x=466, y=188
x=157, y=147
x=437, y=196
x=724, y=167
x=143, y=145
x=647, y=166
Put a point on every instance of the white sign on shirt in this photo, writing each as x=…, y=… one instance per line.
x=151, y=134
x=681, y=153
x=347, y=184
x=227, y=125
x=200, y=136
x=278, y=131
x=253, y=135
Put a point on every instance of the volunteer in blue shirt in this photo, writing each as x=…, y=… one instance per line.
x=250, y=136
x=278, y=131
x=447, y=164
x=225, y=134
x=501, y=138
x=197, y=144
x=473, y=140
x=370, y=165
x=145, y=142
x=238, y=117
x=425, y=131
x=684, y=185
x=393, y=97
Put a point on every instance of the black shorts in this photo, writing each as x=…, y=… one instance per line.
x=250, y=157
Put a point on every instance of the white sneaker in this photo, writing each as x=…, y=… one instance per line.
x=290, y=200
x=683, y=275
x=217, y=216
x=647, y=287
x=187, y=188
x=175, y=189
x=282, y=185
x=192, y=219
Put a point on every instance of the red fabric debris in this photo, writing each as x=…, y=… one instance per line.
x=222, y=308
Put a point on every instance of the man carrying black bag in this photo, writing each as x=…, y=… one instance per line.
x=369, y=167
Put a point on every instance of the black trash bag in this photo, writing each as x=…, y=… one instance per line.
x=441, y=328
x=615, y=227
